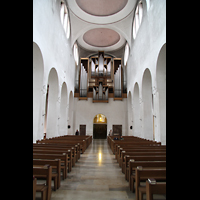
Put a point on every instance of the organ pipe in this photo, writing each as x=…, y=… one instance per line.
x=83, y=85
x=117, y=79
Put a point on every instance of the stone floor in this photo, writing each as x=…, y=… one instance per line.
x=96, y=176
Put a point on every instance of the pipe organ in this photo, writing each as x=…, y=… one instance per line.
x=100, y=77
x=83, y=80
x=117, y=82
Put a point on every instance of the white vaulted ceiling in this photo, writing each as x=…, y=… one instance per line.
x=98, y=8
x=99, y=25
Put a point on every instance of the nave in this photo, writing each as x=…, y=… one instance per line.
x=96, y=175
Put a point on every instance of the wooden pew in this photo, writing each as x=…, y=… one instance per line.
x=63, y=158
x=56, y=164
x=153, y=187
x=134, y=144
x=83, y=140
x=128, y=138
x=36, y=151
x=44, y=189
x=116, y=143
x=143, y=174
x=67, y=140
x=61, y=146
x=87, y=138
x=124, y=163
x=133, y=165
x=149, y=153
x=131, y=159
x=70, y=151
x=82, y=143
x=137, y=149
x=34, y=187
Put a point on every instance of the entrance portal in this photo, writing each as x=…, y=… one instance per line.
x=100, y=127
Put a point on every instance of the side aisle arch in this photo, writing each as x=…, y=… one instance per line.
x=38, y=75
x=52, y=117
x=161, y=88
x=63, y=111
x=147, y=105
x=136, y=111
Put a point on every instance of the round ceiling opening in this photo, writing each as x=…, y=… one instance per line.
x=101, y=37
x=101, y=7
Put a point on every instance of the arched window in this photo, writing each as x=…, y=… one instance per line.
x=148, y=4
x=68, y=28
x=137, y=18
x=126, y=54
x=100, y=119
x=76, y=55
x=64, y=17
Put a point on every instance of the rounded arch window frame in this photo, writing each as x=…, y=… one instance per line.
x=76, y=54
x=100, y=119
x=138, y=15
x=126, y=53
x=64, y=18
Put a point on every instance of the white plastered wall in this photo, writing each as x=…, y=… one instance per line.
x=115, y=112
x=49, y=36
x=144, y=53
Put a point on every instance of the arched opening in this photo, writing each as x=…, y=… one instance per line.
x=137, y=18
x=64, y=17
x=130, y=115
x=38, y=73
x=136, y=112
x=52, y=104
x=71, y=114
x=126, y=54
x=63, y=111
x=100, y=127
x=161, y=87
x=147, y=105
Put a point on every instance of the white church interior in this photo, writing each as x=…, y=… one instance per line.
x=99, y=67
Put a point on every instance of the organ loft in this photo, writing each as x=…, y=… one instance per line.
x=100, y=77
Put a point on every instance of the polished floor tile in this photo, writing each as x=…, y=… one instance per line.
x=96, y=176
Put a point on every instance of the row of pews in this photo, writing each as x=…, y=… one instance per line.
x=53, y=158
x=142, y=161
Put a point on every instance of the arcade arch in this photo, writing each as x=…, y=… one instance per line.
x=147, y=119
x=52, y=117
x=63, y=111
x=38, y=74
x=136, y=111
x=161, y=88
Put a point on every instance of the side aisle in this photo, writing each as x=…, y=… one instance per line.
x=144, y=164
x=53, y=158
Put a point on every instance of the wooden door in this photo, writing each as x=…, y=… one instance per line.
x=99, y=131
x=82, y=129
x=117, y=130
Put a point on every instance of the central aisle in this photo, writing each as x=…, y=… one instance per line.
x=96, y=175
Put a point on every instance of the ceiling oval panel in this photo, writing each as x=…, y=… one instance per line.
x=101, y=7
x=101, y=37
x=95, y=11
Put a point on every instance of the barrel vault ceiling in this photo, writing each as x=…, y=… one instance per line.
x=101, y=25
